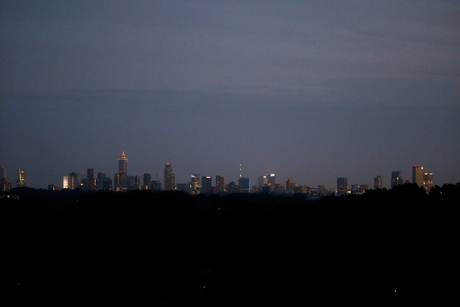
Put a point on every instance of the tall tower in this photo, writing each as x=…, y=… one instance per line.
x=21, y=182
x=342, y=186
x=396, y=178
x=378, y=182
x=428, y=182
x=170, y=180
x=220, y=183
x=417, y=174
x=123, y=172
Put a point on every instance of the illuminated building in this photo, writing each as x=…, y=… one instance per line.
x=195, y=183
x=271, y=179
x=342, y=186
x=262, y=181
x=396, y=178
x=358, y=189
x=123, y=172
x=428, y=182
x=146, y=180
x=21, y=182
x=66, y=182
x=417, y=174
x=378, y=182
x=169, y=178
x=206, y=184
x=220, y=184
x=73, y=181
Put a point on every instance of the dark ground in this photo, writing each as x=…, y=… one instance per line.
x=170, y=248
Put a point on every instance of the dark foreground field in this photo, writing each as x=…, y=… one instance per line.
x=169, y=248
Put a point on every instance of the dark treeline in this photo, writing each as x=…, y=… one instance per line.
x=169, y=247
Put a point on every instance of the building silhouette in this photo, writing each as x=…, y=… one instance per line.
x=220, y=184
x=122, y=183
x=73, y=181
x=290, y=185
x=396, y=178
x=428, y=181
x=169, y=178
x=195, y=184
x=146, y=180
x=22, y=180
x=378, y=182
x=342, y=186
x=244, y=184
x=418, y=173
x=206, y=184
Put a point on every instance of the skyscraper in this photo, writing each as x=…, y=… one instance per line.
x=206, y=184
x=21, y=182
x=290, y=185
x=378, y=182
x=90, y=183
x=428, y=182
x=195, y=183
x=396, y=178
x=73, y=181
x=342, y=186
x=3, y=180
x=66, y=182
x=123, y=172
x=220, y=184
x=244, y=185
x=417, y=174
x=147, y=179
x=169, y=179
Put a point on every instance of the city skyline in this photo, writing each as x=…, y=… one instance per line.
x=312, y=91
x=169, y=182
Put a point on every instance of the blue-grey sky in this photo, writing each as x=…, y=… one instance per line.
x=310, y=90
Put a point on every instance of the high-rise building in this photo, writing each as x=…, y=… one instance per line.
x=206, y=184
x=3, y=171
x=290, y=185
x=358, y=189
x=156, y=185
x=123, y=171
x=220, y=184
x=417, y=174
x=66, y=182
x=195, y=183
x=90, y=183
x=245, y=185
x=262, y=181
x=100, y=181
x=342, y=186
x=271, y=179
x=147, y=178
x=73, y=181
x=107, y=184
x=22, y=181
x=396, y=178
x=3, y=180
x=428, y=182
x=378, y=182
x=169, y=179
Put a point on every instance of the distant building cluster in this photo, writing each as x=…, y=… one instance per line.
x=267, y=183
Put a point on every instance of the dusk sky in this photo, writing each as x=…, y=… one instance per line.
x=310, y=90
